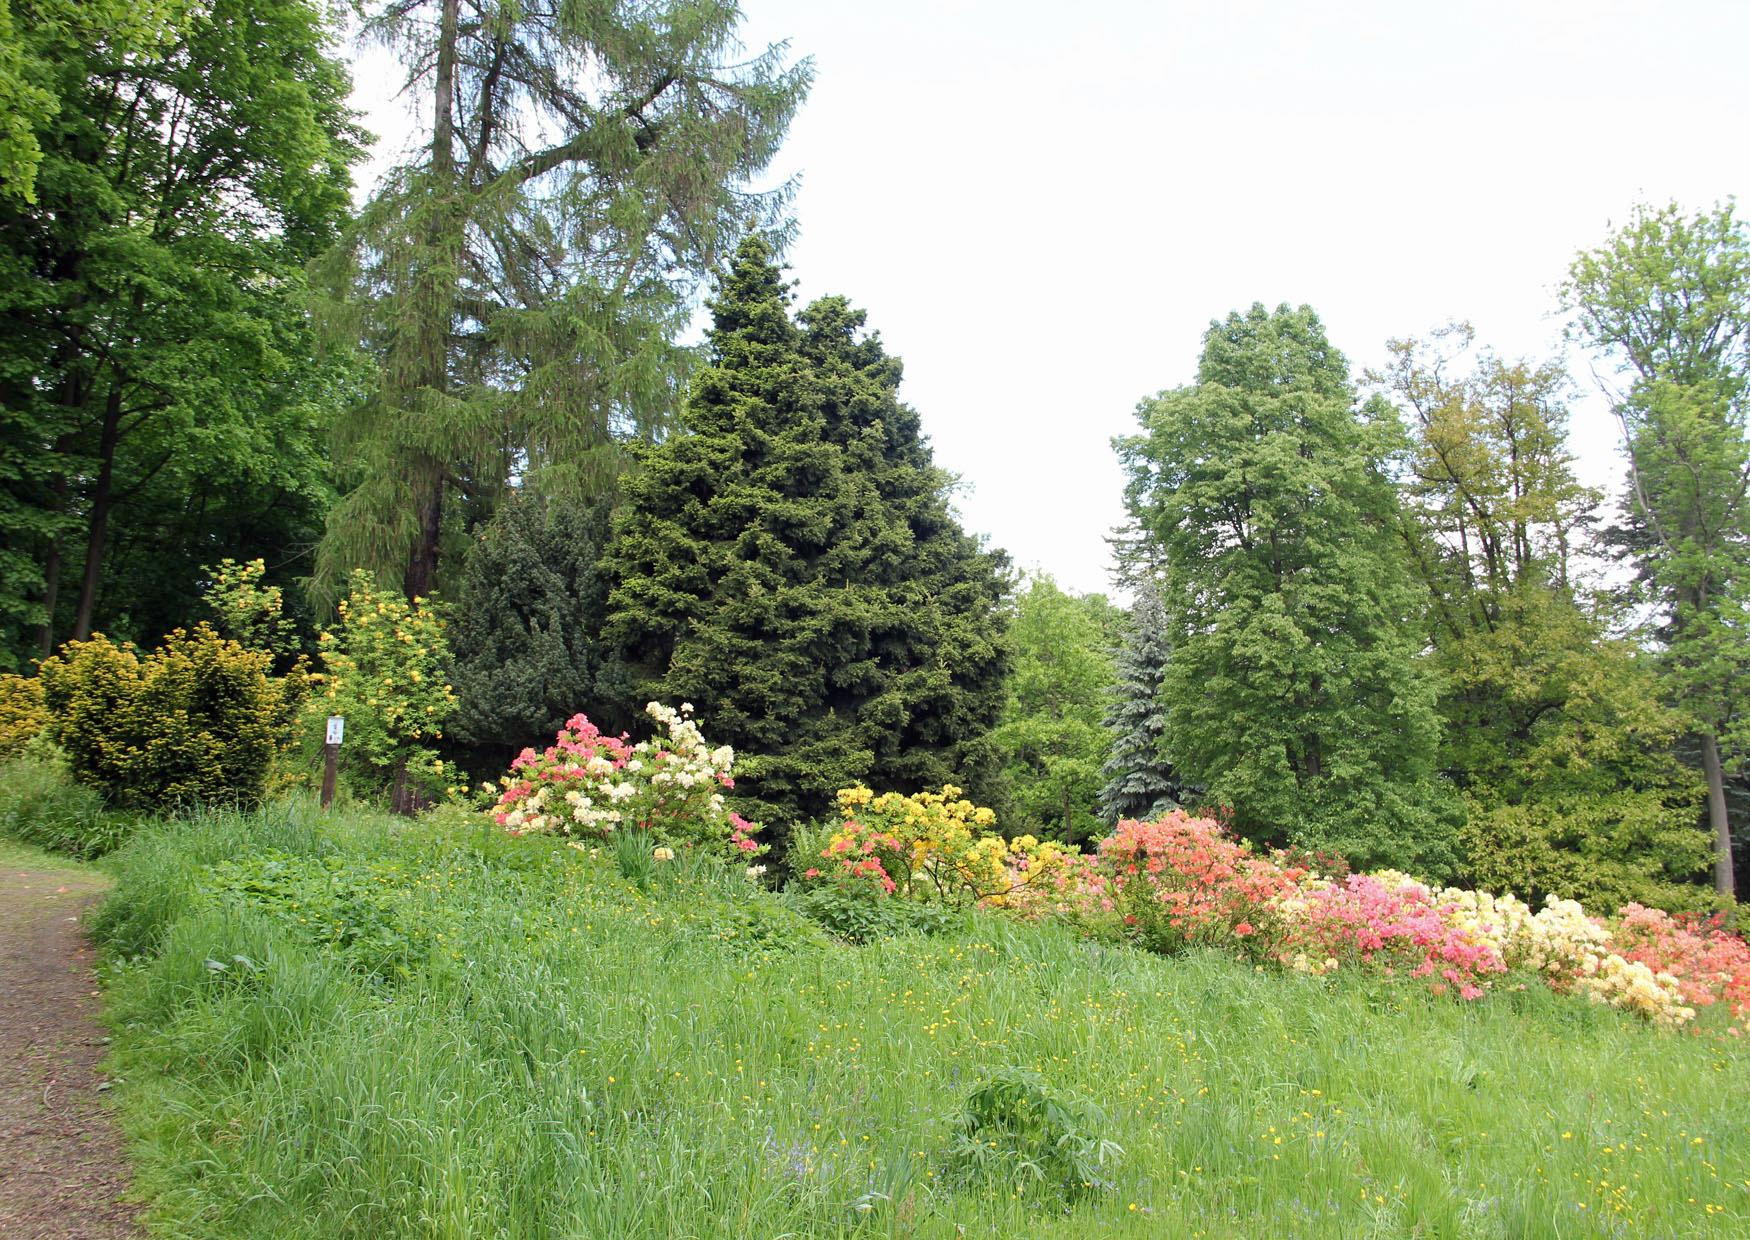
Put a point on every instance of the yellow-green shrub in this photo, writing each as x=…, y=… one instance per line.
x=197, y=720
x=22, y=714
x=385, y=669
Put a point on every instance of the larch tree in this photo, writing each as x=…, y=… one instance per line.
x=1553, y=730
x=1296, y=694
x=792, y=566
x=522, y=279
x=1667, y=299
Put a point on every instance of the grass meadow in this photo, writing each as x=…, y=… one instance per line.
x=365, y=1027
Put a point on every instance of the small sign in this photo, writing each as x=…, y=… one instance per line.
x=336, y=729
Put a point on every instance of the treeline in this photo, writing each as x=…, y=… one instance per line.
x=1373, y=615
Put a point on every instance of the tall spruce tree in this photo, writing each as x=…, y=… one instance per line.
x=1295, y=693
x=1140, y=782
x=792, y=567
x=521, y=280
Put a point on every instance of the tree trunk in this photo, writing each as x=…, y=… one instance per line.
x=100, y=504
x=422, y=565
x=432, y=361
x=51, y=596
x=1724, y=881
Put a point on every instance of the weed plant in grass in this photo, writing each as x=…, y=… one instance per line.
x=569, y=1052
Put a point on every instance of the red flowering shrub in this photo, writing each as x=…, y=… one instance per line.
x=1181, y=880
x=1711, y=964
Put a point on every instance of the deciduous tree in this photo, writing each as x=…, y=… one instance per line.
x=1295, y=694
x=1666, y=299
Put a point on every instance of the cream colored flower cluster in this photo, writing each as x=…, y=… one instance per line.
x=1631, y=985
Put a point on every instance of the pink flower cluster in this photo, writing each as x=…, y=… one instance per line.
x=589, y=785
x=864, y=856
x=1181, y=880
x=1711, y=964
x=1393, y=927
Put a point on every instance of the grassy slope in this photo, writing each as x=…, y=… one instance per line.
x=572, y=1057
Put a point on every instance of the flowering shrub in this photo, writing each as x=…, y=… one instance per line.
x=589, y=785
x=938, y=848
x=385, y=670
x=1631, y=985
x=1707, y=963
x=1559, y=942
x=1394, y=924
x=1182, y=880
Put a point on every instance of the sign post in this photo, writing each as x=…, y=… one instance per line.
x=331, y=750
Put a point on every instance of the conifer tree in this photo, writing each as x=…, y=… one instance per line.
x=526, y=634
x=1295, y=693
x=792, y=567
x=1140, y=782
x=521, y=279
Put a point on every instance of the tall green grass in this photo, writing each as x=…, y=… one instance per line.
x=581, y=1053
x=40, y=805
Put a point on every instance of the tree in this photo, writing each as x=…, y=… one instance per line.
x=155, y=340
x=1295, y=694
x=791, y=564
x=1667, y=298
x=1553, y=731
x=1052, y=739
x=1140, y=782
x=526, y=638
x=521, y=281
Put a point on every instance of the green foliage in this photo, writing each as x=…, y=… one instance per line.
x=581, y=1058
x=792, y=566
x=566, y=216
x=528, y=618
x=1553, y=731
x=162, y=399
x=857, y=917
x=41, y=805
x=385, y=670
x=1052, y=739
x=1667, y=298
x=1295, y=694
x=1140, y=782
x=352, y=908
x=1017, y=1130
x=23, y=717
x=199, y=720
x=249, y=611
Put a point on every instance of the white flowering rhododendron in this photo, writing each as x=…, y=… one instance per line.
x=588, y=785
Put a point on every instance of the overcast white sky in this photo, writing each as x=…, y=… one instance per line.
x=1041, y=206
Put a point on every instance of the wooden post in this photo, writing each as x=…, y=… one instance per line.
x=331, y=751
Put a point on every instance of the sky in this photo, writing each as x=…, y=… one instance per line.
x=1042, y=207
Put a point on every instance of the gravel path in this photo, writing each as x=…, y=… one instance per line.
x=62, y=1171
